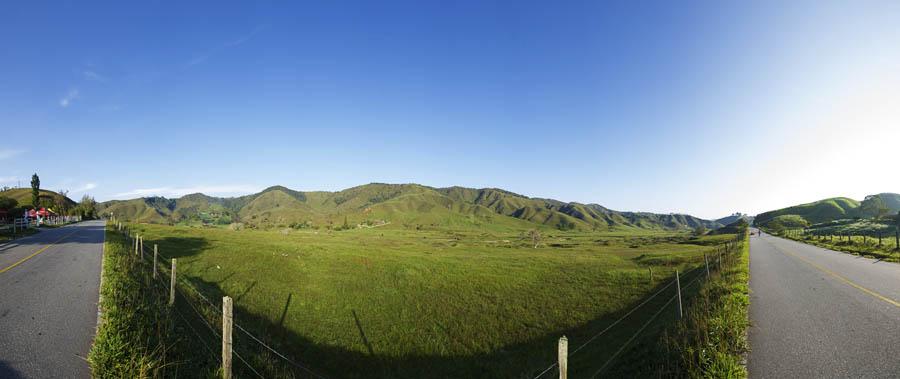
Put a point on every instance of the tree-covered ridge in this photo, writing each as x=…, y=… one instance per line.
x=405, y=205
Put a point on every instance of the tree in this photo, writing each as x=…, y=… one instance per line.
x=8, y=203
x=35, y=190
x=62, y=205
x=535, y=236
x=700, y=230
x=565, y=224
x=87, y=207
x=874, y=206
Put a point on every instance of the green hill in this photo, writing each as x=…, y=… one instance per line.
x=832, y=209
x=403, y=205
x=728, y=220
x=881, y=204
x=48, y=198
x=815, y=212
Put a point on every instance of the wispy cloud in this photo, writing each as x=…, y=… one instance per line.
x=93, y=76
x=181, y=191
x=245, y=37
x=69, y=98
x=86, y=187
x=202, y=57
x=9, y=153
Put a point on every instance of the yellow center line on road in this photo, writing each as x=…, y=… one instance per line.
x=36, y=252
x=841, y=278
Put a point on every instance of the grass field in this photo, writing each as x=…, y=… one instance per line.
x=398, y=303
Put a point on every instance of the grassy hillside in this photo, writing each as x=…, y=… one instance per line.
x=815, y=212
x=829, y=210
x=23, y=196
x=883, y=204
x=394, y=205
x=381, y=302
x=733, y=218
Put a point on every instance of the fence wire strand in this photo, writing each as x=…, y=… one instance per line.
x=696, y=279
x=304, y=368
x=200, y=338
x=188, y=285
x=646, y=324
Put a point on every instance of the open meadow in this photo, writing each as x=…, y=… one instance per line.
x=394, y=302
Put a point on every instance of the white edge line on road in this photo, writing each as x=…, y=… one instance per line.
x=100, y=290
x=841, y=278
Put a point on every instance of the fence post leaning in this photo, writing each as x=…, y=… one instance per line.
x=706, y=260
x=563, y=356
x=678, y=289
x=172, y=284
x=226, y=337
x=141, y=249
x=651, y=274
x=155, y=253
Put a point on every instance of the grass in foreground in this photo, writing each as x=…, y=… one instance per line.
x=138, y=336
x=399, y=303
x=710, y=341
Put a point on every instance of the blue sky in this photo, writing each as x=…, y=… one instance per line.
x=700, y=107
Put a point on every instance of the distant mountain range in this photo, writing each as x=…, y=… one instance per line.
x=409, y=205
x=827, y=210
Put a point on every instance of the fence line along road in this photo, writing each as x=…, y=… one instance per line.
x=728, y=248
x=176, y=284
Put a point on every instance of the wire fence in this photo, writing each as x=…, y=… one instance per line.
x=202, y=310
x=882, y=236
x=719, y=254
x=193, y=307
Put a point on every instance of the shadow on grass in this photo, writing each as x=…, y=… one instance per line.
x=520, y=360
x=178, y=247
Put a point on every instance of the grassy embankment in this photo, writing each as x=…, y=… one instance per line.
x=138, y=336
x=398, y=303
x=858, y=241
x=710, y=341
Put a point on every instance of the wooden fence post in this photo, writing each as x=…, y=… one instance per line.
x=563, y=355
x=705, y=260
x=141, y=249
x=678, y=288
x=226, y=337
x=155, y=253
x=172, y=284
x=651, y=274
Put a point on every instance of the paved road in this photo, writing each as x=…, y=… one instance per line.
x=817, y=313
x=48, y=303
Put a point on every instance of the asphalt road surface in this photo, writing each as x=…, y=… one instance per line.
x=49, y=288
x=817, y=313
